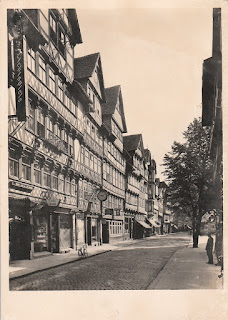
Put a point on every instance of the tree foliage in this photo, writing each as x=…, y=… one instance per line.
x=189, y=172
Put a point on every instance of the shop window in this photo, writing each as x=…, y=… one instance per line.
x=40, y=234
x=31, y=60
x=40, y=124
x=13, y=165
x=31, y=117
x=37, y=172
x=47, y=176
x=26, y=168
x=54, y=180
x=51, y=80
x=42, y=70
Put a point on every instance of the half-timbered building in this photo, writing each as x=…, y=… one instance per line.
x=115, y=225
x=45, y=123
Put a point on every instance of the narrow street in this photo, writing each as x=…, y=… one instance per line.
x=130, y=267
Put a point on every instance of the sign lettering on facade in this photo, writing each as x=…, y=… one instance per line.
x=19, y=79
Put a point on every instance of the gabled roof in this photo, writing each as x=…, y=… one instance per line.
x=76, y=33
x=84, y=66
x=131, y=142
x=112, y=95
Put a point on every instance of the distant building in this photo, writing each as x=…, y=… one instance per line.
x=151, y=191
x=115, y=223
x=136, y=186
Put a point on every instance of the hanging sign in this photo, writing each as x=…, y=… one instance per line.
x=19, y=78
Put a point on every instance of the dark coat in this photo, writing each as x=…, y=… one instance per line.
x=210, y=242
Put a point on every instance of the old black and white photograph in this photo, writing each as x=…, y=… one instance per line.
x=115, y=151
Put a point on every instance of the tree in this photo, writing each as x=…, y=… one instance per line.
x=189, y=173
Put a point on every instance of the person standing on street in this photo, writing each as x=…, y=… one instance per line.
x=209, y=249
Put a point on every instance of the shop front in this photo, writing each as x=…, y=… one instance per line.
x=113, y=228
x=141, y=229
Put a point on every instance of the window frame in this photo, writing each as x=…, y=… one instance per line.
x=26, y=168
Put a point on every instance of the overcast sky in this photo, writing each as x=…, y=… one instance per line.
x=156, y=56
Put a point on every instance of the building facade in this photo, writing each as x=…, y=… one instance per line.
x=114, y=165
x=67, y=145
x=136, y=186
x=152, y=215
x=212, y=117
x=88, y=73
x=44, y=123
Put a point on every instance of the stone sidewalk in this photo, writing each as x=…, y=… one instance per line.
x=24, y=267
x=188, y=269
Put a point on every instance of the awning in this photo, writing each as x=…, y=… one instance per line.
x=173, y=225
x=154, y=223
x=144, y=224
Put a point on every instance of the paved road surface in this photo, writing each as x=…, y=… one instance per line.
x=131, y=267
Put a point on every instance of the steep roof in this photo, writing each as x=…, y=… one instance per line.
x=131, y=142
x=112, y=94
x=84, y=66
x=76, y=33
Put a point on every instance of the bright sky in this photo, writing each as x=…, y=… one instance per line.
x=156, y=56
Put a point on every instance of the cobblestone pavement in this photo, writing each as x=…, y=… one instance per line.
x=131, y=267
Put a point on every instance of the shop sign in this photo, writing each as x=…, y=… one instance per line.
x=52, y=200
x=21, y=185
x=109, y=211
x=19, y=78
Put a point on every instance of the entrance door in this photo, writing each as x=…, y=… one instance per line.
x=19, y=240
x=105, y=232
x=65, y=231
x=89, y=236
